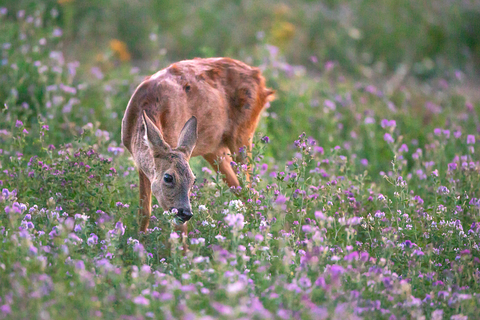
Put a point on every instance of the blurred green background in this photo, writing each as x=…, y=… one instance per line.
x=338, y=67
x=428, y=36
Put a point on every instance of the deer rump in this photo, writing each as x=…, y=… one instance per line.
x=226, y=96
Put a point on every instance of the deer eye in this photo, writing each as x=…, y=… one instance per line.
x=168, y=178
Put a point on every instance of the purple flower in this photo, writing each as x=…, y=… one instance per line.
x=329, y=104
x=18, y=124
x=272, y=50
x=437, y=131
x=166, y=296
x=351, y=256
x=235, y=220
x=141, y=300
x=388, y=123
x=33, y=250
x=80, y=265
x=320, y=282
x=329, y=65
x=97, y=72
x=57, y=32
x=364, y=256
x=364, y=162
x=320, y=215
x=335, y=269
x=403, y=148
x=5, y=309
x=388, y=138
x=418, y=199
x=470, y=139
x=93, y=239
x=266, y=139
x=418, y=252
x=452, y=166
x=120, y=227
x=318, y=149
x=305, y=282
x=222, y=309
x=281, y=199
x=306, y=228
x=369, y=120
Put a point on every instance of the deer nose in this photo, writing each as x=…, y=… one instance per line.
x=184, y=214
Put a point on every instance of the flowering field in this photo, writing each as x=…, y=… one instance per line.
x=364, y=202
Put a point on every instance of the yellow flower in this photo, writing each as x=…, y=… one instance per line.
x=282, y=33
x=120, y=49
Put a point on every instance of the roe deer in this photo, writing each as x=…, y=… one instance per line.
x=201, y=107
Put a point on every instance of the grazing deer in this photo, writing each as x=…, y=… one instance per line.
x=201, y=107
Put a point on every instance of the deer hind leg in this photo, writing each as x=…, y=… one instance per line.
x=245, y=143
x=223, y=159
x=145, y=200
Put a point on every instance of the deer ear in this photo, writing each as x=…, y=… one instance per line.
x=188, y=137
x=153, y=137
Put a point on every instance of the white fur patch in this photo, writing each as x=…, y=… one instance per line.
x=145, y=139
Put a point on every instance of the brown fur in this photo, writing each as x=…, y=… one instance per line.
x=226, y=97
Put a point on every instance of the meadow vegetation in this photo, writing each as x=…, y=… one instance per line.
x=364, y=201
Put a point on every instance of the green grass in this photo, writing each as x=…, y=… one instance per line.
x=365, y=203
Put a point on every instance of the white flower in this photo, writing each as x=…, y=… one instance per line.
x=237, y=221
x=236, y=205
x=220, y=237
x=202, y=208
x=132, y=241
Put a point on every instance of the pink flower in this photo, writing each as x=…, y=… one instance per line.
x=388, y=138
x=141, y=300
x=470, y=139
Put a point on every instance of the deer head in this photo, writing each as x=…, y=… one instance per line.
x=173, y=177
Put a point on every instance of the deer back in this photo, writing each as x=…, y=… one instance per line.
x=226, y=96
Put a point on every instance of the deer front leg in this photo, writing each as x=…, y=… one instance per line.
x=145, y=200
x=184, y=235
